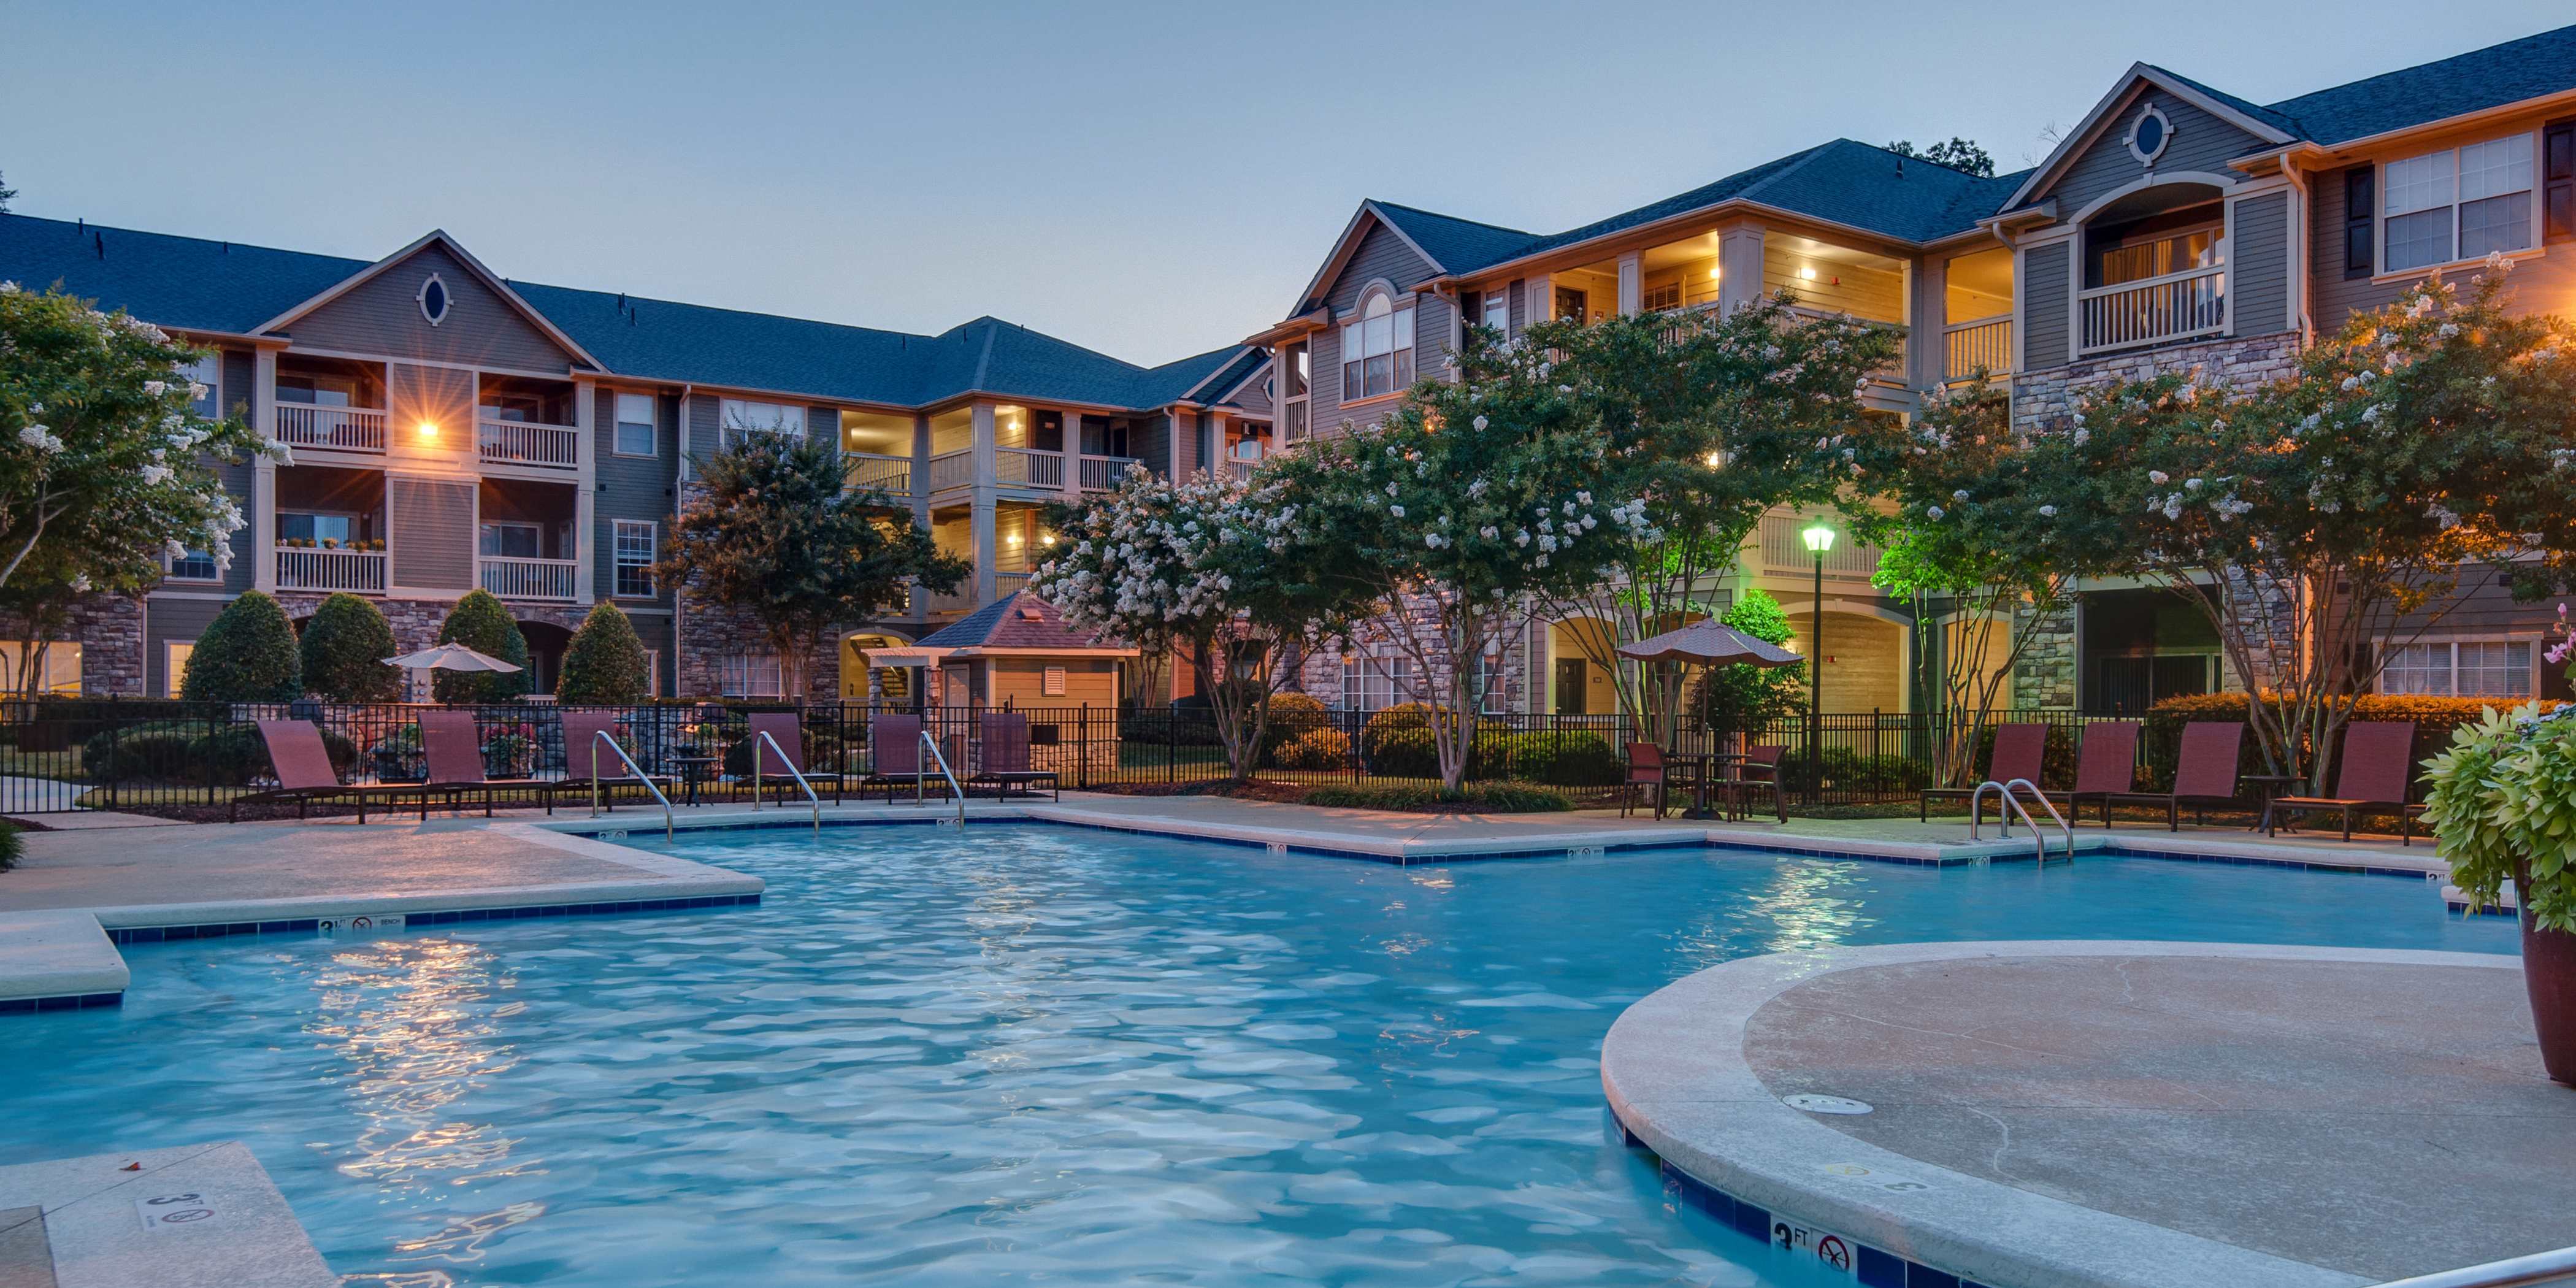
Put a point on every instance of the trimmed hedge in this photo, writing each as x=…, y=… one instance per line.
x=1292, y=716
x=1847, y=770
x=12, y=845
x=2056, y=761
x=1499, y=798
x=1570, y=759
x=2436, y=719
x=344, y=651
x=481, y=623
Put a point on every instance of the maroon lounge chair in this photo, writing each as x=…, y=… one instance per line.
x=1006, y=756
x=2378, y=764
x=453, y=748
x=1645, y=770
x=2204, y=774
x=302, y=764
x=2019, y=752
x=896, y=743
x=1759, y=771
x=788, y=731
x=583, y=756
x=2105, y=766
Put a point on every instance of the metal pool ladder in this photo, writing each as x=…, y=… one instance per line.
x=2519, y=1272
x=668, y=832
x=940, y=758
x=792, y=772
x=2012, y=800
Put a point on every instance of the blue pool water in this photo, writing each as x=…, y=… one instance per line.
x=1035, y=1055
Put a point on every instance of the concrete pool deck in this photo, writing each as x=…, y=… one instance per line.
x=2112, y=1113
x=203, y=1216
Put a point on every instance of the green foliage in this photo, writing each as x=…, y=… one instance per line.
x=1957, y=154
x=2436, y=719
x=2502, y=806
x=1292, y=716
x=247, y=654
x=13, y=843
x=2056, y=757
x=1847, y=770
x=1497, y=798
x=605, y=662
x=344, y=651
x=1559, y=758
x=1314, y=749
x=1750, y=699
x=481, y=623
x=189, y=751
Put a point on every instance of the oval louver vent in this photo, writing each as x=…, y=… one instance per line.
x=433, y=300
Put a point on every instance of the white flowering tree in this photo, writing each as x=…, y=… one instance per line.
x=1214, y=571
x=103, y=461
x=2323, y=522
x=1447, y=519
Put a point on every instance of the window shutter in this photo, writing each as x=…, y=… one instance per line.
x=2558, y=181
x=1054, y=682
x=2360, y=196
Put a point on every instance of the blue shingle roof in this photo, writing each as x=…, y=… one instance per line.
x=1457, y=245
x=2479, y=79
x=194, y=283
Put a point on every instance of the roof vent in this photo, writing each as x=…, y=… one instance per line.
x=1031, y=615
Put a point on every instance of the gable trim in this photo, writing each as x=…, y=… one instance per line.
x=1222, y=396
x=2088, y=131
x=463, y=256
x=1348, y=244
x=2227, y=188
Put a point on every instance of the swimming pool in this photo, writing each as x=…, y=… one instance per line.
x=1031, y=1053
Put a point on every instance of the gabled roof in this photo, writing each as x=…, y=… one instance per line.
x=1017, y=622
x=1219, y=389
x=2428, y=92
x=186, y=282
x=434, y=237
x=1452, y=244
x=2259, y=122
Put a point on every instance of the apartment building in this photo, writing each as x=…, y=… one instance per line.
x=452, y=429
x=2176, y=228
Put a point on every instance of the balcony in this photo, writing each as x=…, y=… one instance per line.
x=357, y=571
x=548, y=579
x=2160, y=310
x=952, y=469
x=1023, y=467
x=1784, y=550
x=516, y=442
x=1240, y=471
x=344, y=429
x=869, y=472
x=1979, y=344
x=1101, y=473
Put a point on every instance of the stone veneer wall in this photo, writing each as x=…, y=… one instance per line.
x=1319, y=675
x=109, y=630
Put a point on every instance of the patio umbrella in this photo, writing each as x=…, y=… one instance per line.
x=1709, y=643
x=451, y=657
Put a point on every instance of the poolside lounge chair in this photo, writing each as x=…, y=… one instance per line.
x=2378, y=762
x=453, y=748
x=1760, y=771
x=2019, y=751
x=2204, y=774
x=788, y=731
x=302, y=765
x=2105, y=766
x=581, y=733
x=1006, y=756
x=896, y=744
x=1645, y=769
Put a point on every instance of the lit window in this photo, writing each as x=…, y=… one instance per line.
x=175, y=673
x=635, y=543
x=2457, y=204
x=1377, y=350
x=751, y=675
x=635, y=424
x=2465, y=668
x=1376, y=683
x=58, y=673
x=744, y=416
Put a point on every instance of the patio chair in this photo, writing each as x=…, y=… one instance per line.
x=1645, y=770
x=2204, y=774
x=896, y=763
x=787, y=729
x=2378, y=764
x=2105, y=766
x=453, y=748
x=1006, y=756
x=1760, y=770
x=581, y=732
x=302, y=766
x=2019, y=752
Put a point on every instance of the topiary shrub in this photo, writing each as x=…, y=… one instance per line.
x=605, y=664
x=1313, y=750
x=344, y=652
x=247, y=654
x=1499, y=798
x=480, y=623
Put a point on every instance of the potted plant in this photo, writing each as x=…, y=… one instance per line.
x=2502, y=803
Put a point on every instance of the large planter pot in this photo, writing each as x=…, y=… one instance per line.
x=2549, y=971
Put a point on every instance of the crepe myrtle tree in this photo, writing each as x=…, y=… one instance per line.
x=1442, y=523
x=1215, y=571
x=104, y=472
x=2323, y=522
x=1713, y=421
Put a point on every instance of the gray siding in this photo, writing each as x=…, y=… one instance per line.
x=823, y=424
x=2535, y=283
x=433, y=533
x=1150, y=438
x=2258, y=238
x=2042, y=274
x=2200, y=142
x=240, y=376
x=383, y=315
x=166, y=620
x=1381, y=254
x=629, y=487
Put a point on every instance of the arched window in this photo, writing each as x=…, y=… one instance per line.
x=1377, y=350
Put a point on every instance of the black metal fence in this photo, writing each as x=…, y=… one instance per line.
x=194, y=759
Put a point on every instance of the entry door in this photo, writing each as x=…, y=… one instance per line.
x=1573, y=680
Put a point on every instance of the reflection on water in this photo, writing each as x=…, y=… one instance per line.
x=415, y=1029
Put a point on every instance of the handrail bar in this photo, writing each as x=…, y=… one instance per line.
x=669, y=832
x=2004, y=793
x=2513, y=1272
x=2042, y=798
x=940, y=758
x=792, y=772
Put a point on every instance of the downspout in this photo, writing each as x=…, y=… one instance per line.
x=679, y=477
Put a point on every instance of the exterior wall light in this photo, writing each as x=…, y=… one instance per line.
x=428, y=431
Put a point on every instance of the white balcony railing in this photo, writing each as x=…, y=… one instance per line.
x=346, y=429
x=1983, y=344
x=359, y=571
x=528, y=578
x=1005, y=584
x=1240, y=470
x=2177, y=306
x=1894, y=372
x=1021, y=467
x=952, y=469
x=1101, y=473
x=1784, y=550
x=518, y=442
x=962, y=599
x=869, y=472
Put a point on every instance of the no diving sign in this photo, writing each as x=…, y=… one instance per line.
x=172, y=1213
x=1831, y=1251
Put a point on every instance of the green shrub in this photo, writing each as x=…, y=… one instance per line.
x=1188, y=722
x=1846, y=770
x=1292, y=716
x=344, y=652
x=605, y=663
x=1315, y=749
x=12, y=845
x=1569, y=759
x=822, y=751
x=187, y=752
x=480, y=623
x=1500, y=798
x=2436, y=719
x=247, y=654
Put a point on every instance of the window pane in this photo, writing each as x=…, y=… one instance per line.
x=196, y=565
x=1498, y=311
x=1351, y=381
x=1404, y=329
x=2495, y=669
x=2419, y=239
x=635, y=407
x=2495, y=224
x=2418, y=183
x=2495, y=168
x=1377, y=336
x=2418, y=668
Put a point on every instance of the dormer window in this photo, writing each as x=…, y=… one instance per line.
x=1377, y=350
x=433, y=300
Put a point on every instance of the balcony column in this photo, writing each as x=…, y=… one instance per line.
x=1072, y=454
x=985, y=495
x=919, y=601
x=1632, y=283
x=1928, y=287
x=1538, y=300
x=263, y=473
x=1739, y=268
x=585, y=416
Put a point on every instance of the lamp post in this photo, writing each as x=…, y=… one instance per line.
x=1819, y=537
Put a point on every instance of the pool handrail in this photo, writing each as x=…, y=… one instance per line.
x=2539, y=1268
x=792, y=772
x=2044, y=803
x=940, y=758
x=2009, y=800
x=669, y=830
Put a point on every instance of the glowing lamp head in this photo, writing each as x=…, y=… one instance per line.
x=1806, y=274
x=1819, y=537
x=428, y=431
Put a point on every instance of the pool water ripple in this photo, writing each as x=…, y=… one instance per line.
x=1035, y=1055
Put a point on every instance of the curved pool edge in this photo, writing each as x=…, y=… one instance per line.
x=1678, y=1082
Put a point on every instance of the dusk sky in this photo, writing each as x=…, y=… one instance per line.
x=1150, y=180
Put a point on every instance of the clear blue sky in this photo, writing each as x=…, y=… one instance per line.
x=1147, y=179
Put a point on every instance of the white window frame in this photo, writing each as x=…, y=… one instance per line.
x=651, y=424
x=170, y=568
x=2451, y=649
x=208, y=371
x=1497, y=300
x=652, y=673
x=1399, y=319
x=59, y=679
x=739, y=675
x=2386, y=197
x=751, y=416
x=618, y=563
